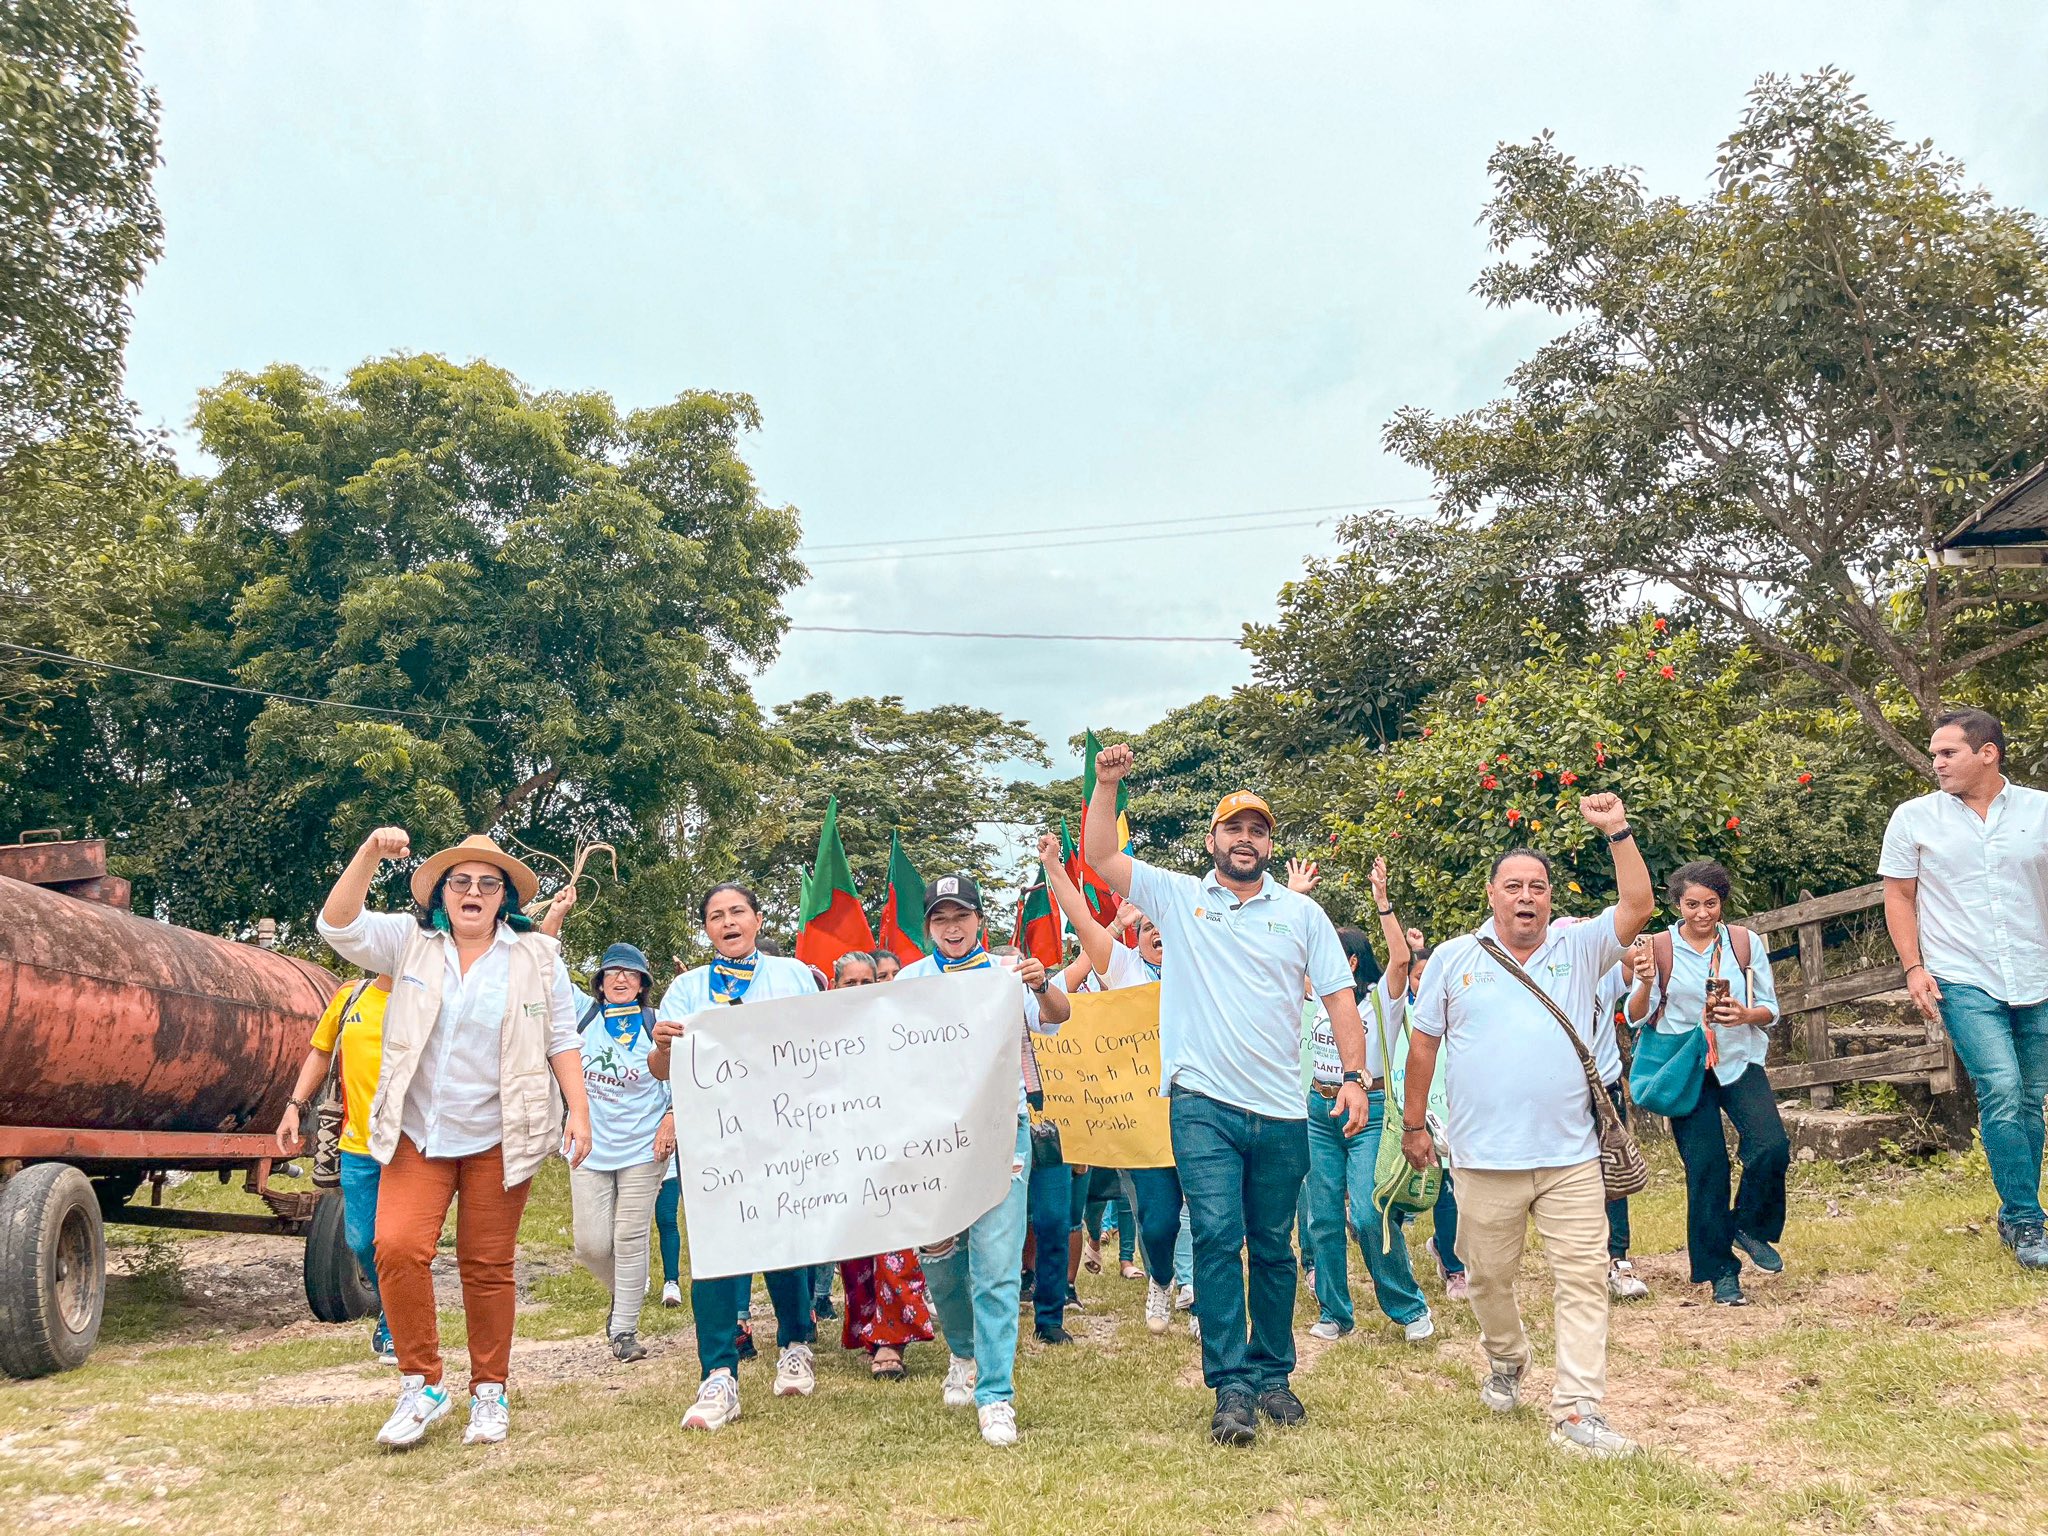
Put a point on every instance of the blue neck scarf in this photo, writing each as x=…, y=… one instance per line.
x=731, y=978
x=1149, y=966
x=975, y=959
x=624, y=1022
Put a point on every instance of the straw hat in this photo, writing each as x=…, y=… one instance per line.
x=479, y=849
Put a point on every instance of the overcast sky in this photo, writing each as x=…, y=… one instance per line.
x=985, y=267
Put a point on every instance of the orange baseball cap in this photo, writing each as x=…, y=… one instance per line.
x=1241, y=800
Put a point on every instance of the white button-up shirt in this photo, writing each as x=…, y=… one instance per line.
x=451, y=1106
x=1518, y=1096
x=1983, y=895
x=1230, y=993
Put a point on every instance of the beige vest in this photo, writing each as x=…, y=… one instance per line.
x=529, y=1101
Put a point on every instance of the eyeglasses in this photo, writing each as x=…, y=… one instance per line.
x=483, y=885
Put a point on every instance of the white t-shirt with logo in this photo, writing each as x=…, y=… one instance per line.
x=1518, y=1096
x=1329, y=1066
x=626, y=1100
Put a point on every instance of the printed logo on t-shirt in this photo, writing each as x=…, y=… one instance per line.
x=1280, y=928
x=1209, y=914
x=1559, y=969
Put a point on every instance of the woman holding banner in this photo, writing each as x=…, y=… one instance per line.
x=974, y=1279
x=1157, y=1190
x=739, y=973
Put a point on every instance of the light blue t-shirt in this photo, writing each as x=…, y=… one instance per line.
x=774, y=976
x=1741, y=1046
x=626, y=1100
x=1230, y=1004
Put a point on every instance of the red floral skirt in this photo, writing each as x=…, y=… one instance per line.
x=885, y=1302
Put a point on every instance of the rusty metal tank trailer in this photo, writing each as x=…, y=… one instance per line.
x=130, y=1048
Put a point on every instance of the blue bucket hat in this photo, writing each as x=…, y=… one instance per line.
x=625, y=957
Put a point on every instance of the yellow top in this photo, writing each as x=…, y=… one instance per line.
x=362, y=1056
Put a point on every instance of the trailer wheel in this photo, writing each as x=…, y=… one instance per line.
x=336, y=1288
x=53, y=1270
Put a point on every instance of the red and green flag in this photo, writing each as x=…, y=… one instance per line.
x=901, y=928
x=833, y=923
x=1093, y=749
x=1038, y=927
x=1102, y=901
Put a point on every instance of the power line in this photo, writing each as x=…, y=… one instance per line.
x=260, y=693
x=984, y=634
x=1039, y=545
x=1156, y=522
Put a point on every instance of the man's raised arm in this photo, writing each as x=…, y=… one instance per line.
x=1098, y=835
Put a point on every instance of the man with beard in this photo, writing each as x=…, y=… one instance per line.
x=1230, y=1054
x=1522, y=1134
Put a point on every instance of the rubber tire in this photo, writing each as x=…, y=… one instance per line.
x=50, y=1222
x=336, y=1289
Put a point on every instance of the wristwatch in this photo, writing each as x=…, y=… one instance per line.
x=1622, y=836
x=1354, y=1077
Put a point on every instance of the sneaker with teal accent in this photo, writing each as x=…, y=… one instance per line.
x=381, y=1347
x=418, y=1406
x=489, y=1417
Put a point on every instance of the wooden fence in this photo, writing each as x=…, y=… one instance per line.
x=1928, y=1059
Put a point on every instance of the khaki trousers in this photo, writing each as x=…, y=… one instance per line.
x=1569, y=1207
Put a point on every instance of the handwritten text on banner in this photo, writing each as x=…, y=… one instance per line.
x=847, y=1123
x=1101, y=1076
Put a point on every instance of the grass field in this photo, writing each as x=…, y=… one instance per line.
x=1894, y=1379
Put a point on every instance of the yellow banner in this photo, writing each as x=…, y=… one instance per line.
x=1101, y=1075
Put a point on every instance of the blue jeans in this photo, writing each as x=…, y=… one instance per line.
x=1341, y=1168
x=359, y=1177
x=1184, y=1250
x=2004, y=1048
x=669, y=1229
x=973, y=1284
x=717, y=1304
x=1161, y=1231
x=1049, y=1204
x=1242, y=1173
x=1446, y=1215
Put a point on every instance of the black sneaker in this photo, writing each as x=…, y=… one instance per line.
x=1728, y=1292
x=1281, y=1406
x=1053, y=1333
x=746, y=1342
x=1760, y=1253
x=1235, y=1422
x=823, y=1310
x=2028, y=1241
x=627, y=1347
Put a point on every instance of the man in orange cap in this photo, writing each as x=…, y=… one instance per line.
x=1230, y=1053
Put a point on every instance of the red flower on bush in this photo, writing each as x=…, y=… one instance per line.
x=1667, y=673
x=1651, y=653
x=1333, y=839
x=1659, y=626
x=1429, y=730
x=1479, y=699
x=1620, y=674
x=1535, y=775
x=1502, y=759
x=1568, y=777
x=1734, y=822
x=1513, y=817
x=1805, y=778
x=1400, y=794
x=1489, y=782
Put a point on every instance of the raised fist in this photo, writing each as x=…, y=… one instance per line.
x=389, y=843
x=1112, y=763
x=1604, y=811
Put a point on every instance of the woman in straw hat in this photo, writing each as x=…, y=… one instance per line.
x=480, y=1054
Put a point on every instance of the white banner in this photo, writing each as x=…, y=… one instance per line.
x=848, y=1123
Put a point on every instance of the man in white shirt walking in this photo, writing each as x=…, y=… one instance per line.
x=1966, y=900
x=1523, y=1137
x=1230, y=1052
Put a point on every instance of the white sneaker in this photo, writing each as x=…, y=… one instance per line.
x=1502, y=1389
x=999, y=1424
x=1195, y=1327
x=1186, y=1299
x=489, y=1417
x=1623, y=1283
x=1422, y=1330
x=795, y=1374
x=418, y=1406
x=1158, y=1306
x=1326, y=1328
x=718, y=1402
x=958, y=1390
x=671, y=1294
x=1587, y=1434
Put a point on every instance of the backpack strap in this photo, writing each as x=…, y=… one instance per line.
x=1660, y=955
x=596, y=1007
x=1738, y=940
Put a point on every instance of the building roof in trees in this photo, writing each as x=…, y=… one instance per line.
x=2016, y=515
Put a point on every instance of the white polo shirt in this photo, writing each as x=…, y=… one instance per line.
x=1518, y=1096
x=1983, y=897
x=1230, y=995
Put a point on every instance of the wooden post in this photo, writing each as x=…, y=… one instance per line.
x=1813, y=1024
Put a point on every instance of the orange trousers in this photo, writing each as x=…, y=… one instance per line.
x=412, y=1207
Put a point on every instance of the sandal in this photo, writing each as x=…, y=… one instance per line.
x=1091, y=1258
x=887, y=1363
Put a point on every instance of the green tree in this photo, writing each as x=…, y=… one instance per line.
x=78, y=222
x=1502, y=763
x=546, y=611
x=1772, y=399
x=1364, y=636
x=935, y=775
